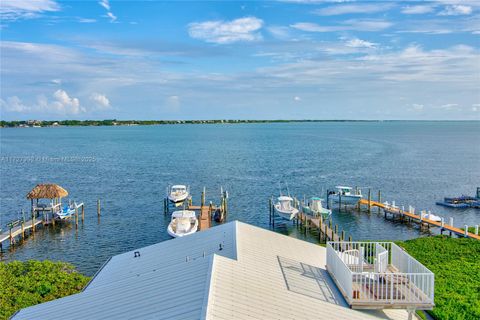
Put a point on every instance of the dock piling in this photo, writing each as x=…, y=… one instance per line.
x=98, y=207
x=379, y=200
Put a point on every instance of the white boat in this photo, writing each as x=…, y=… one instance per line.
x=284, y=208
x=431, y=216
x=66, y=212
x=183, y=223
x=315, y=208
x=178, y=193
x=344, y=195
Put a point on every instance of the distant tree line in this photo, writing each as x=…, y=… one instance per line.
x=114, y=122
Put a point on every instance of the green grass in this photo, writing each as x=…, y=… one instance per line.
x=24, y=284
x=456, y=265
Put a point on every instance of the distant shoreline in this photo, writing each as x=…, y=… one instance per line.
x=97, y=123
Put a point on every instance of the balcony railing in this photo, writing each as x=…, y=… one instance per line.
x=376, y=275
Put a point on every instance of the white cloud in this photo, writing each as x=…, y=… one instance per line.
x=61, y=103
x=86, y=20
x=112, y=17
x=13, y=104
x=456, y=10
x=353, y=8
x=280, y=32
x=105, y=4
x=101, y=101
x=242, y=29
x=352, y=24
x=449, y=106
x=64, y=103
x=24, y=9
x=56, y=81
x=417, y=107
x=297, y=98
x=418, y=9
x=358, y=43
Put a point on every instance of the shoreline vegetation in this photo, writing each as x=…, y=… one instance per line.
x=114, y=122
x=455, y=262
x=24, y=284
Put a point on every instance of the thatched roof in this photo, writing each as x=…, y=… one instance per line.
x=47, y=191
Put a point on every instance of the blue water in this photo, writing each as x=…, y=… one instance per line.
x=128, y=168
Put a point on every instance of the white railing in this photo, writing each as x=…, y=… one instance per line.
x=379, y=273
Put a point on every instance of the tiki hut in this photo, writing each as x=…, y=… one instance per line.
x=47, y=191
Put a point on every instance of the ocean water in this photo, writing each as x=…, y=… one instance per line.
x=129, y=168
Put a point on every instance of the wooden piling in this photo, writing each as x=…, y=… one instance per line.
x=343, y=235
x=270, y=210
x=76, y=218
x=379, y=200
x=98, y=207
x=83, y=214
x=369, y=200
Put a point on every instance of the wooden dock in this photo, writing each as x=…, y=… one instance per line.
x=206, y=212
x=19, y=229
x=409, y=215
x=325, y=230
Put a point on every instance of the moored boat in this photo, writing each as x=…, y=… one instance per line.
x=178, y=193
x=284, y=208
x=315, y=208
x=66, y=212
x=344, y=195
x=183, y=223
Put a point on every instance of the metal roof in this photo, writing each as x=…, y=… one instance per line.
x=232, y=271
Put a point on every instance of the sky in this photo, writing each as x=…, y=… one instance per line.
x=288, y=59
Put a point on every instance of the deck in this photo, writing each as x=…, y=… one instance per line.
x=418, y=218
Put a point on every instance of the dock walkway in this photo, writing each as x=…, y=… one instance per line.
x=18, y=230
x=404, y=213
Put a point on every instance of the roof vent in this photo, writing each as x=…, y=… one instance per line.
x=220, y=247
x=136, y=254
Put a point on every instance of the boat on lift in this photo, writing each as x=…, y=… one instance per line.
x=183, y=223
x=178, y=193
x=316, y=209
x=65, y=212
x=344, y=195
x=284, y=208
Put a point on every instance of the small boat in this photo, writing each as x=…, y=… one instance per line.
x=66, y=212
x=284, y=208
x=431, y=216
x=344, y=195
x=315, y=208
x=183, y=223
x=178, y=193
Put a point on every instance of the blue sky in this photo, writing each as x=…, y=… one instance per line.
x=292, y=59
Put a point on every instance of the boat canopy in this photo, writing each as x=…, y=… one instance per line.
x=284, y=198
x=183, y=214
x=316, y=199
x=179, y=187
x=343, y=188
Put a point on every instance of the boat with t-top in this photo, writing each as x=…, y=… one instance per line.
x=344, y=195
x=284, y=208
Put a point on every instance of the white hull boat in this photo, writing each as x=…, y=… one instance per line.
x=178, y=194
x=344, y=195
x=431, y=216
x=284, y=208
x=183, y=223
x=65, y=213
x=316, y=209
